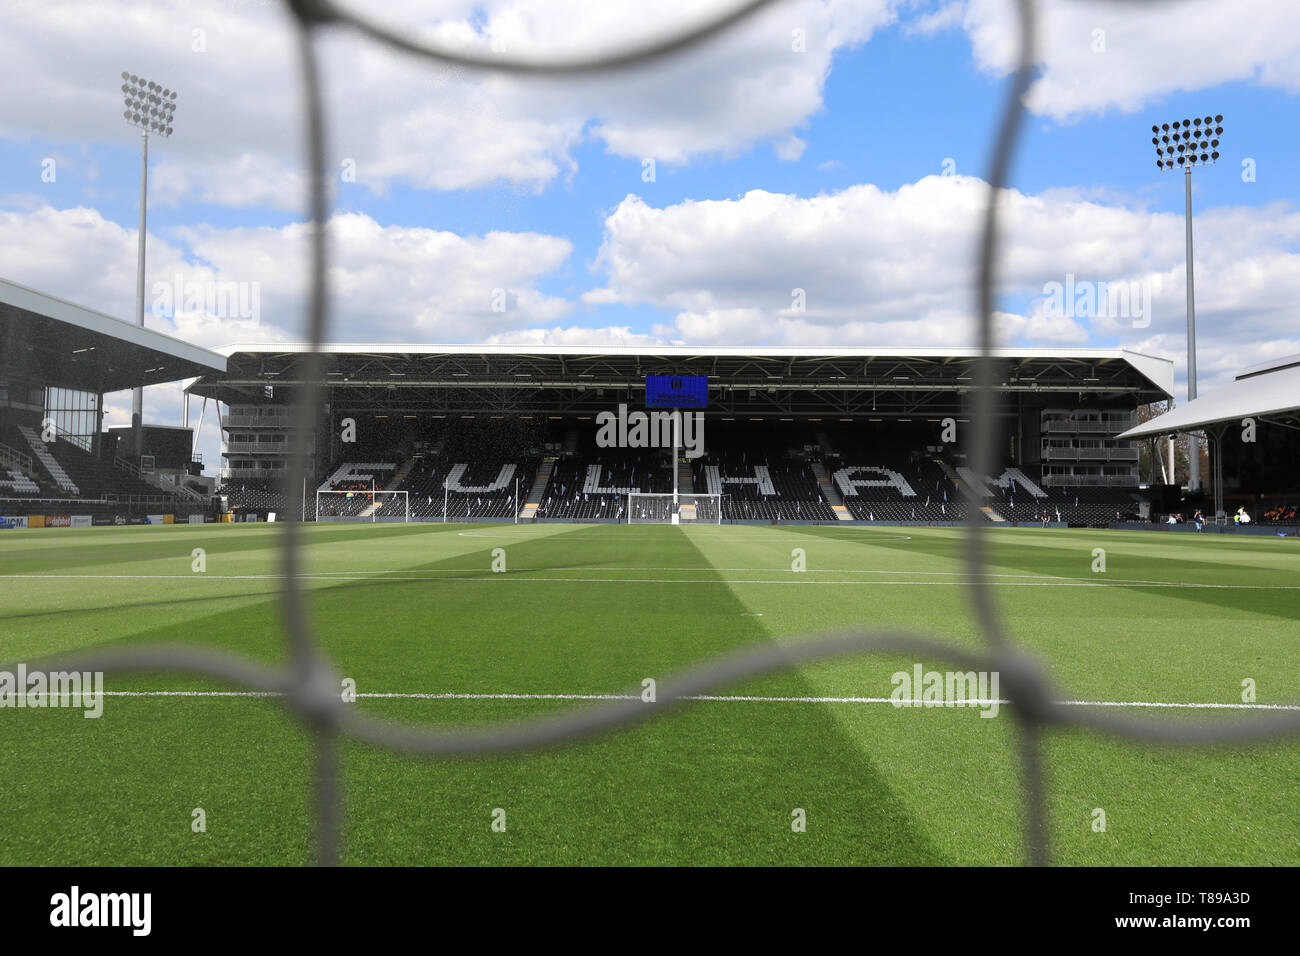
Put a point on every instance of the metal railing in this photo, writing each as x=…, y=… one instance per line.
x=1071, y=426
x=1090, y=454
x=309, y=686
x=13, y=458
x=279, y=448
x=256, y=421
x=234, y=471
x=1090, y=481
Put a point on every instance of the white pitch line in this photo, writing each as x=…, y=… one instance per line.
x=579, y=567
x=514, y=577
x=713, y=698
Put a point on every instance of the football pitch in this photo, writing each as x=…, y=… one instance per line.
x=416, y=616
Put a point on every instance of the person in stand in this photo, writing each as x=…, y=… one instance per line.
x=1199, y=518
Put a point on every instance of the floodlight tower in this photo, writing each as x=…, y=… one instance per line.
x=1185, y=144
x=149, y=108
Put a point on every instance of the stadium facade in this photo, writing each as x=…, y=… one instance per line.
x=806, y=417
x=456, y=432
x=57, y=361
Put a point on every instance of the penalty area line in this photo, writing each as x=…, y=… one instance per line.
x=518, y=577
x=713, y=698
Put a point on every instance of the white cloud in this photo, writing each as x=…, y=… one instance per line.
x=399, y=120
x=575, y=335
x=389, y=283
x=790, y=149
x=945, y=17
x=1097, y=56
x=897, y=268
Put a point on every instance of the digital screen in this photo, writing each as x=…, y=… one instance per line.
x=677, y=391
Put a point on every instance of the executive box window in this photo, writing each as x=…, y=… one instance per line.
x=75, y=414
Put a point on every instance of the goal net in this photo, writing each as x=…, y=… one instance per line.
x=363, y=506
x=646, y=508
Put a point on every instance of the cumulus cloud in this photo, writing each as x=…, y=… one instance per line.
x=865, y=266
x=1097, y=55
x=394, y=119
x=944, y=17
x=576, y=335
x=214, y=286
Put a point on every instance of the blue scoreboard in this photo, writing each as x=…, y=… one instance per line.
x=677, y=391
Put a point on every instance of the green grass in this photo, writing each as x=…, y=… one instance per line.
x=595, y=609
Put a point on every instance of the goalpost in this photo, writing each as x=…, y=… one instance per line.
x=647, y=508
x=363, y=506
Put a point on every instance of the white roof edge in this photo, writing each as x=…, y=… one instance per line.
x=1158, y=371
x=1152, y=362
x=1272, y=393
x=42, y=303
x=1286, y=361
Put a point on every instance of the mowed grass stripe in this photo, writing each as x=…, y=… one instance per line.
x=712, y=783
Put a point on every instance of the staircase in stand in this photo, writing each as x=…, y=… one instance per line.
x=534, y=498
x=45, y=458
x=399, y=476
x=685, y=477
x=159, y=481
x=829, y=491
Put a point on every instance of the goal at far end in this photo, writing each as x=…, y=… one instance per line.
x=646, y=508
x=363, y=506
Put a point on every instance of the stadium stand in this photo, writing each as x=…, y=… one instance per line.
x=764, y=473
x=258, y=496
x=62, y=469
x=759, y=487
x=483, y=488
x=899, y=491
x=593, y=483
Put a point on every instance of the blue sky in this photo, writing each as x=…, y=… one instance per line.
x=775, y=169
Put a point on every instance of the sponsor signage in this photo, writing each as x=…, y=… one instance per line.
x=17, y=521
x=58, y=521
x=81, y=521
x=677, y=391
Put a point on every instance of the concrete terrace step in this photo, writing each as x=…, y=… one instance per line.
x=534, y=499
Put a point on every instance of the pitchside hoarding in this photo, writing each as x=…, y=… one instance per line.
x=677, y=391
